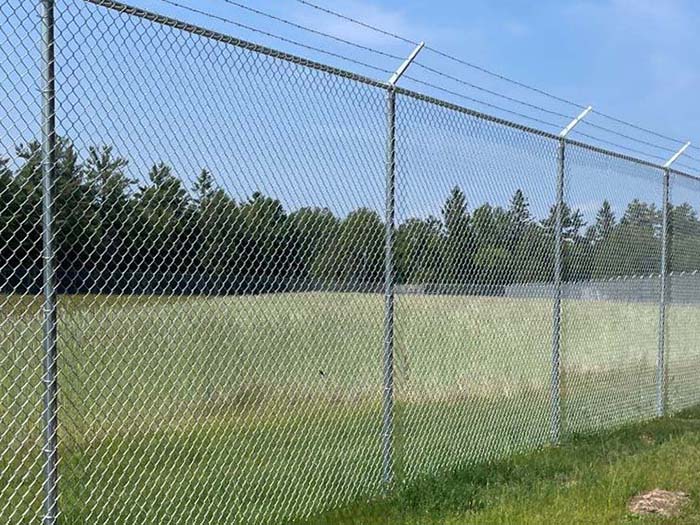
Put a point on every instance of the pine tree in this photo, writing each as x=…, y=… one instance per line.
x=571, y=222
x=604, y=222
x=454, y=213
x=457, y=246
x=106, y=176
x=519, y=210
x=203, y=186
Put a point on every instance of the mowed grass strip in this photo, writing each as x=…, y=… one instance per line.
x=268, y=408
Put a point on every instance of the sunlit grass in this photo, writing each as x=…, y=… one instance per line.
x=268, y=407
x=586, y=480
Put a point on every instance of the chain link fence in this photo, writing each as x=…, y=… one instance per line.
x=241, y=287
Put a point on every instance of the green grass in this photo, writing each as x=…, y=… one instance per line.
x=268, y=408
x=586, y=480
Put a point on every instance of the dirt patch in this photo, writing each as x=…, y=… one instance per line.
x=647, y=439
x=658, y=502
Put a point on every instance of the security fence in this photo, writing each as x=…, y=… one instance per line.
x=242, y=287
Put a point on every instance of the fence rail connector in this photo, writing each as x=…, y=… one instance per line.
x=50, y=356
x=661, y=361
x=555, y=387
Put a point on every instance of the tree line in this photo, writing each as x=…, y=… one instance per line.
x=112, y=234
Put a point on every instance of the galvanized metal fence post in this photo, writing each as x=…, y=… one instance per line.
x=555, y=386
x=389, y=219
x=50, y=368
x=663, y=293
x=555, y=383
x=388, y=399
x=660, y=357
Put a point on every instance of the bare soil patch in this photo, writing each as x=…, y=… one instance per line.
x=658, y=502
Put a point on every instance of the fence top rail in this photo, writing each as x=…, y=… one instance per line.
x=535, y=131
x=295, y=59
x=683, y=174
x=238, y=42
x=628, y=158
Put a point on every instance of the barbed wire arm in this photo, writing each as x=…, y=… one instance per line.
x=677, y=155
x=564, y=132
x=403, y=67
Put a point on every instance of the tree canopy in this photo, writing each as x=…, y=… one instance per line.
x=112, y=234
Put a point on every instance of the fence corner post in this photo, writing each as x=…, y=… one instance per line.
x=50, y=356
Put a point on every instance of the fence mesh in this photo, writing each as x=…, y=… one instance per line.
x=224, y=317
x=227, y=260
x=472, y=365
x=610, y=340
x=683, y=323
x=21, y=389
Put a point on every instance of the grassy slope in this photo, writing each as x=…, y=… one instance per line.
x=221, y=399
x=586, y=480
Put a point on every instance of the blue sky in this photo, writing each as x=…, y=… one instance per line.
x=634, y=59
x=309, y=139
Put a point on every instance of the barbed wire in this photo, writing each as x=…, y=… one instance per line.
x=357, y=22
x=504, y=78
x=312, y=30
x=501, y=77
x=372, y=66
x=627, y=137
x=437, y=72
x=533, y=106
x=692, y=169
x=637, y=127
x=490, y=91
x=618, y=145
x=482, y=102
x=395, y=57
x=438, y=52
x=277, y=37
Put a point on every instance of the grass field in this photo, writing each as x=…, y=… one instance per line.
x=268, y=408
